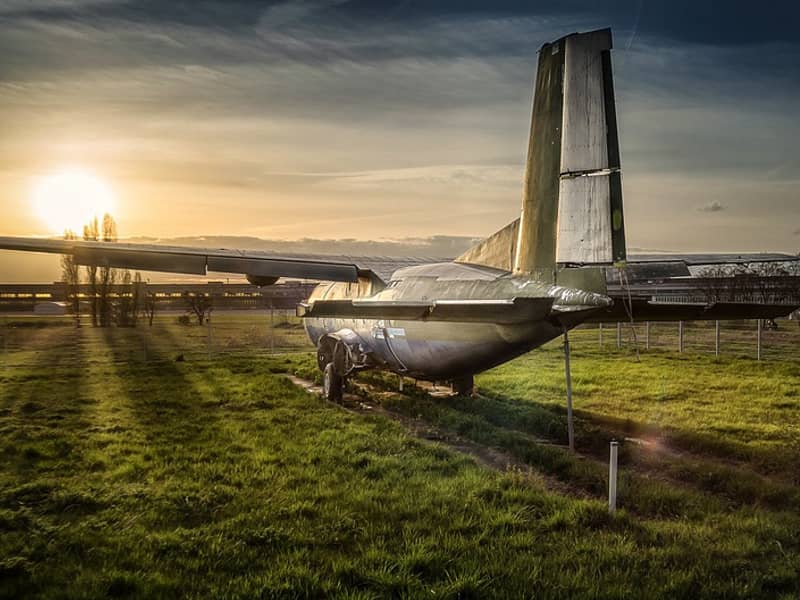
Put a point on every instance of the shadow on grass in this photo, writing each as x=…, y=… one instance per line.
x=43, y=423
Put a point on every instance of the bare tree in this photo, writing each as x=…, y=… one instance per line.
x=70, y=273
x=200, y=305
x=91, y=233
x=149, y=307
x=107, y=275
x=125, y=308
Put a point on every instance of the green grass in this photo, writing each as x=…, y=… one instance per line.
x=126, y=477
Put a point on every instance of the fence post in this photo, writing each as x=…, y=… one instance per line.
x=619, y=334
x=758, y=339
x=680, y=336
x=568, y=376
x=716, y=339
x=600, y=338
x=208, y=327
x=271, y=327
x=647, y=335
x=612, y=477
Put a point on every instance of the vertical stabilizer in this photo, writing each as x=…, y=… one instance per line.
x=572, y=200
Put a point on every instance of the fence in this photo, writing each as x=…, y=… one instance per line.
x=758, y=339
x=27, y=341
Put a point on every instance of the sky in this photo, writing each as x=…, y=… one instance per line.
x=386, y=120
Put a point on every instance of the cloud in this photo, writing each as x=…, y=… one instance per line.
x=714, y=206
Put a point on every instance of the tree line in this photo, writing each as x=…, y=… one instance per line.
x=106, y=309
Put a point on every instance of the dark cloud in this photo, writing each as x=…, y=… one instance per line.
x=715, y=22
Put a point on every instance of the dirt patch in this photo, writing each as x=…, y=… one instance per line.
x=491, y=458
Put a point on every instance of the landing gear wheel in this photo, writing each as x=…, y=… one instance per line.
x=464, y=386
x=333, y=384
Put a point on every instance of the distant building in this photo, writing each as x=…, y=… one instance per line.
x=169, y=296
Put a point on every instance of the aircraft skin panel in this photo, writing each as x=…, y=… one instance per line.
x=535, y=255
x=438, y=350
x=584, y=221
x=584, y=145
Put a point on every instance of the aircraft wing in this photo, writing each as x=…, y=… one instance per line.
x=703, y=259
x=200, y=261
x=658, y=290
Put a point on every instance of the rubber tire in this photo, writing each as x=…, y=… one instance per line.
x=333, y=385
x=464, y=386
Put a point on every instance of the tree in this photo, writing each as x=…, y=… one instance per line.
x=107, y=275
x=91, y=233
x=70, y=273
x=149, y=307
x=199, y=305
x=126, y=308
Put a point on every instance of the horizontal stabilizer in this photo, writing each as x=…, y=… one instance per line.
x=505, y=312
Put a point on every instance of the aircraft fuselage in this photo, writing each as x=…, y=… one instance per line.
x=440, y=350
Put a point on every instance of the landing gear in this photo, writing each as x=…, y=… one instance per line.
x=333, y=384
x=464, y=386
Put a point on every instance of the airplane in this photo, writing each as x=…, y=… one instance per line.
x=529, y=283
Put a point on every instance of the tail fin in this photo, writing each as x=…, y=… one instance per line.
x=572, y=202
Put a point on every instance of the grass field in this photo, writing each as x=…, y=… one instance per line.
x=127, y=473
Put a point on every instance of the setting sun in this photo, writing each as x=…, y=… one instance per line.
x=71, y=197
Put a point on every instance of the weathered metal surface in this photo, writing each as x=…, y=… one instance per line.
x=584, y=146
x=496, y=251
x=181, y=259
x=584, y=220
x=619, y=246
x=702, y=259
x=283, y=267
x=131, y=259
x=634, y=272
x=503, y=311
x=537, y=230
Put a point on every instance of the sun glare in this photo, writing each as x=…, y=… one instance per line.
x=70, y=198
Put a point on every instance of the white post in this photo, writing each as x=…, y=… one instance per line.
x=568, y=375
x=401, y=383
x=612, y=477
x=647, y=335
x=680, y=336
x=758, y=339
x=716, y=339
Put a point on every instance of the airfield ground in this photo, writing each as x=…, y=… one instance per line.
x=126, y=473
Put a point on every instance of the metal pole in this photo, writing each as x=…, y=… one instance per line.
x=568, y=375
x=680, y=336
x=271, y=328
x=647, y=335
x=758, y=339
x=612, y=477
x=716, y=339
x=601, y=336
x=619, y=334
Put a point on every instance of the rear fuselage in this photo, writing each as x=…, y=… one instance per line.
x=439, y=350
